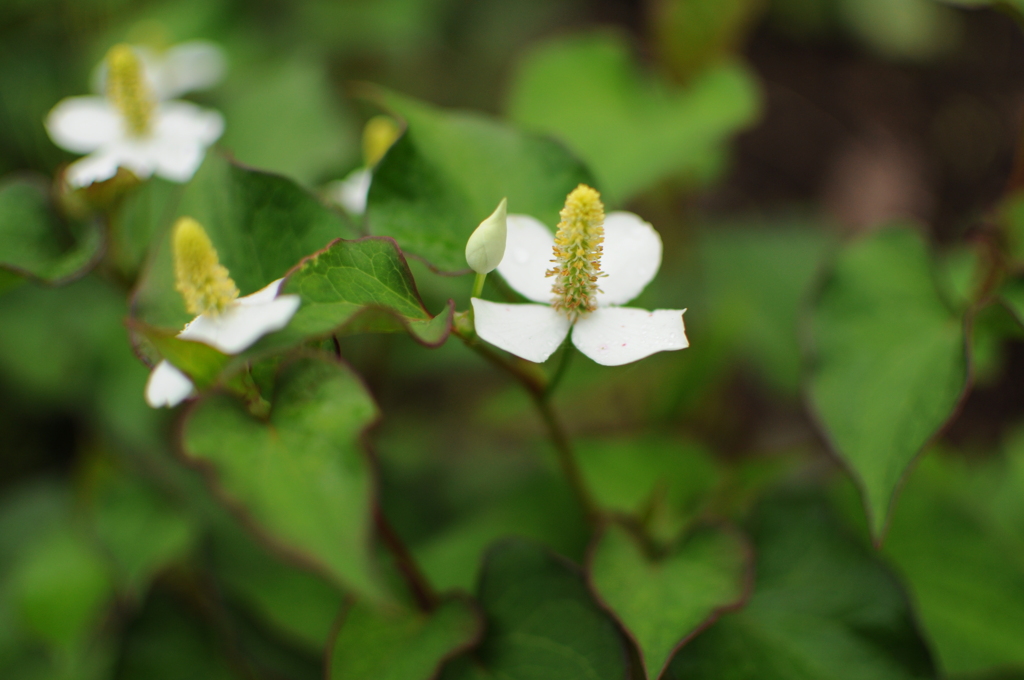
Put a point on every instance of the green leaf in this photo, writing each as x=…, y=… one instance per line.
x=400, y=644
x=140, y=530
x=1012, y=296
x=449, y=171
x=823, y=607
x=139, y=220
x=889, y=361
x=758, y=280
x=542, y=509
x=958, y=537
x=542, y=622
x=284, y=116
x=169, y=642
x=633, y=130
x=299, y=479
x=60, y=586
x=295, y=602
x=261, y=224
x=691, y=34
x=33, y=242
x=662, y=482
x=661, y=602
x=917, y=30
x=358, y=286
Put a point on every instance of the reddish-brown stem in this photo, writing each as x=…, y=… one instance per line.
x=420, y=587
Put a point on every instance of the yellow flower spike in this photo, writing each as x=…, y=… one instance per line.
x=200, y=278
x=577, y=252
x=378, y=136
x=128, y=90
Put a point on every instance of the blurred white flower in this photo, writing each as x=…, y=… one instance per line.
x=379, y=133
x=599, y=262
x=350, y=193
x=186, y=67
x=133, y=125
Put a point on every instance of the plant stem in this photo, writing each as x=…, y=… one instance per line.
x=421, y=589
x=539, y=390
x=566, y=457
x=478, y=285
x=567, y=351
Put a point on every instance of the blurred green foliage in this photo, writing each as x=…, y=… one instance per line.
x=826, y=484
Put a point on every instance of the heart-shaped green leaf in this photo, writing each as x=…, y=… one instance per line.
x=823, y=607
x=399, y=644
x=543, y=623
x=300, y=479
x=663, y=602
x=889, y=361
x=33, y=242
x=958, y=537
x=261, y=224
x=633, y=130
x=449, y=171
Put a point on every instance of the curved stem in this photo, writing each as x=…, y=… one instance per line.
x=539, y=389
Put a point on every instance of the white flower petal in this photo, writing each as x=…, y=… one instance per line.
x=83, y=124
x=242, y=324
x=167, y=386
x=186, y=67
x=631, y=258
x=98, y=166
x=613, y=336
x=351, y=192
x=177, y=161
x=532, y=332
x=263, y=295
x=528, y=254
x=179, y=120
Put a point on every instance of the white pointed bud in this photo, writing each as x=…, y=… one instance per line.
x=486, y=246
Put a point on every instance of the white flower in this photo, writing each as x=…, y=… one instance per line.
x=350, y=193
x=133, y=126
x=379, y=133
x=628, y=257
x=243, y=322
x=224, y=321
x=186, y=67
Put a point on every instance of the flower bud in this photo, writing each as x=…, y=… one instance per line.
x=486, y=246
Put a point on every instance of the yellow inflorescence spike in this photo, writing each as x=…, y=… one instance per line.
x=378, y=136
x=200, y=278
x=128, y=90
x=578, y=252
